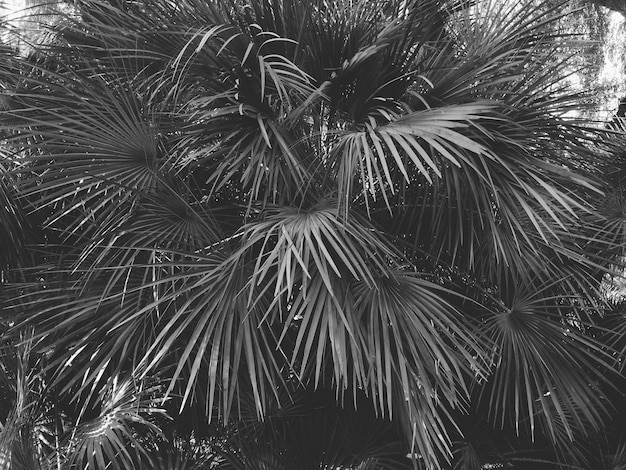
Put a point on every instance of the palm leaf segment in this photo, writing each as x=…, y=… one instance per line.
x=254, y=191
x=104, y=440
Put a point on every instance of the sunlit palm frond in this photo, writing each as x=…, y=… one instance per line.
x=293, y=241
x=427, y=140
x=105, y=441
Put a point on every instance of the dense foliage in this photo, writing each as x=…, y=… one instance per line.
x=297, y=234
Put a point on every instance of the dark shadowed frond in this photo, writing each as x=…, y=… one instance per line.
x=541, y=352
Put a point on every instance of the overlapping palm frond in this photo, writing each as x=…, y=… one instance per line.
x=26, y=428
x=532, y=320
x=12, y=221
x=518, y=181
x=244, y=198
x=105, y=440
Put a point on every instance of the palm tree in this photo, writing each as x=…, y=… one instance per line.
x=230, y=204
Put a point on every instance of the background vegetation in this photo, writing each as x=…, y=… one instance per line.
x=285, y=234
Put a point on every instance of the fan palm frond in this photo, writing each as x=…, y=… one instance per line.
x=105, y=441
x=534, y=324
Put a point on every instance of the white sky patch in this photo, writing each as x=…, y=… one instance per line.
x=613, y=55
x=612, y=73
x=11, y=9
x=10, y=13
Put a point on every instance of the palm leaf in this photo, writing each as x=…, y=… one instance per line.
x=293, y=241
x=105, y=440
x=544, y=364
